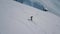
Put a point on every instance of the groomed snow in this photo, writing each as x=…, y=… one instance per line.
x=14, y=19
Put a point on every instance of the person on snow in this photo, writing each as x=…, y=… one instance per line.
x=31, y=18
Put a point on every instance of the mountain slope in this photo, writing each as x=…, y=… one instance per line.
x=14, y=19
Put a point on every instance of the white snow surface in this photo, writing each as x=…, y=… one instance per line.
x=14, y=19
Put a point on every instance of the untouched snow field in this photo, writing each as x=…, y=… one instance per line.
x=14, y=19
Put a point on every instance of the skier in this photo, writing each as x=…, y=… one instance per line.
x=31, y=18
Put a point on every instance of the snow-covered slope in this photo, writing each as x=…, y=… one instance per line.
x=14, y=19
x=33, y=3
x=52, y=5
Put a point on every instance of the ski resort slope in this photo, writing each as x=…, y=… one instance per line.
x=14, y=19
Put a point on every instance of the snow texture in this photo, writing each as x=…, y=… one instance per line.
x=14, y=19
